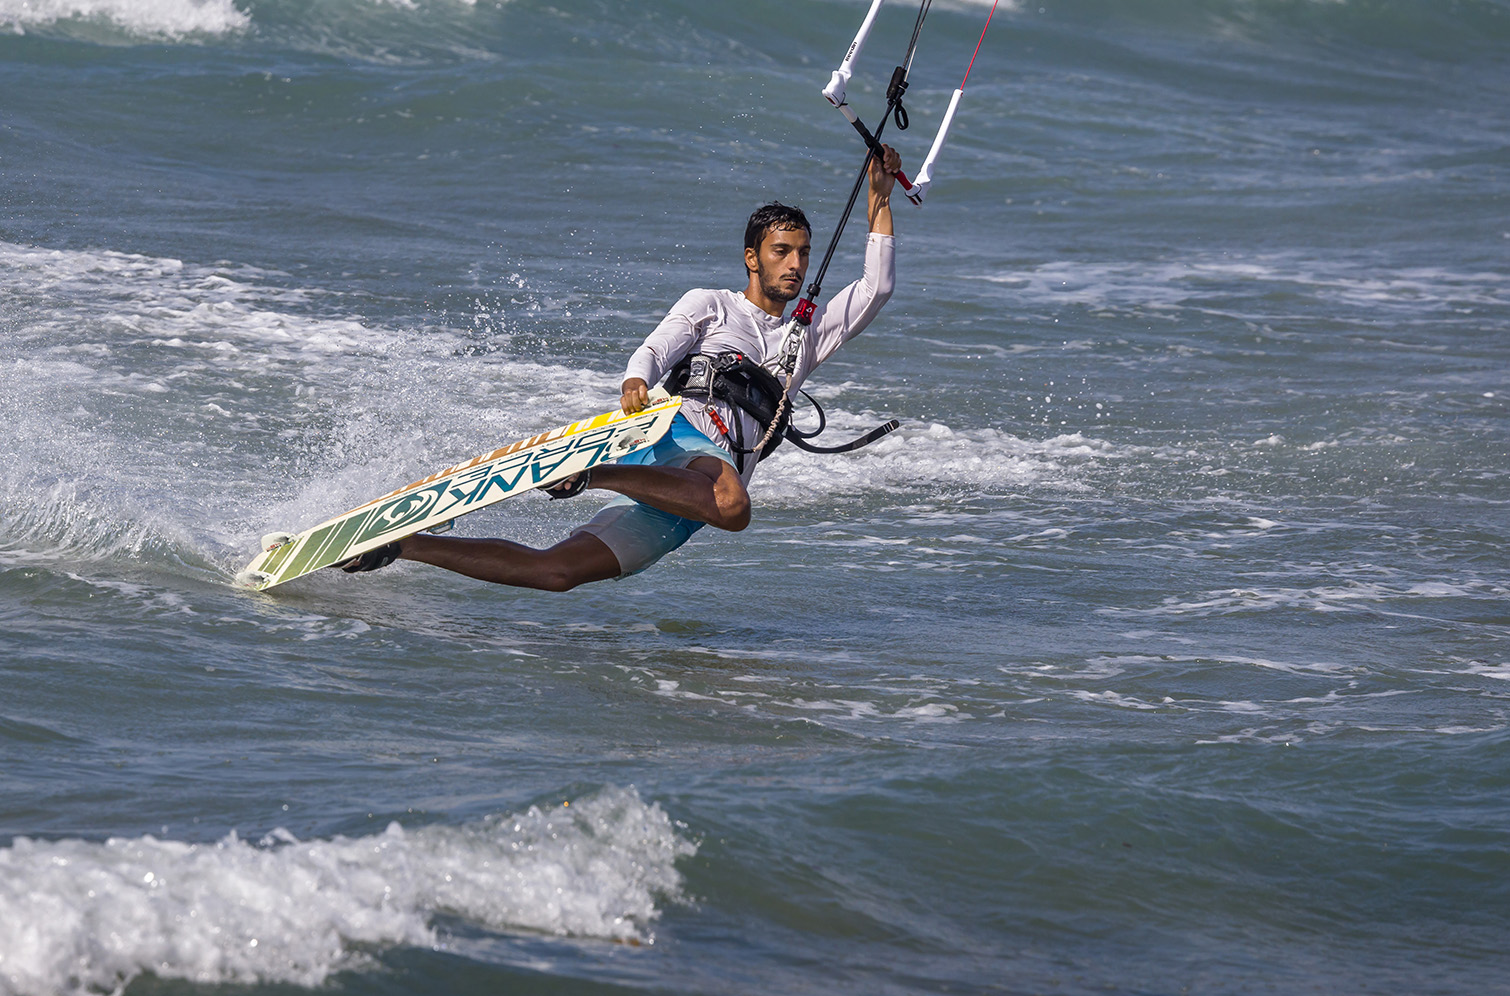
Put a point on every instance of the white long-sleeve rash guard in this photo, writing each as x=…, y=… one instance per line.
x=719, y=321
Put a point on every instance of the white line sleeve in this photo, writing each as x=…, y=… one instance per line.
x=846, y=314
x=673, y=338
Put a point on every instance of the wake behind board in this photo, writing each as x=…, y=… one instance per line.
x=537, y=462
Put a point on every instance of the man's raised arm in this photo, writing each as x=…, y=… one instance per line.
x=883, y=176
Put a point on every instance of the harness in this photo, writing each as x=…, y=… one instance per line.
x=738, y=381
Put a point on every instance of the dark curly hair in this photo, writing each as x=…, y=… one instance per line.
x=774, y=215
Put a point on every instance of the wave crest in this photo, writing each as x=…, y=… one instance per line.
x=96, y=20
x=89, y=917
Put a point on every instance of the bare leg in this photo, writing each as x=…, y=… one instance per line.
x=706, y=490
x=575, y=560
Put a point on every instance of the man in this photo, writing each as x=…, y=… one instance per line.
x=696, y=475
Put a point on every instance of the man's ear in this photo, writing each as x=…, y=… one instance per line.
x=752, y=259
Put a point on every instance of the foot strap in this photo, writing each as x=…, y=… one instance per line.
x=571, y=487
x=371, y=560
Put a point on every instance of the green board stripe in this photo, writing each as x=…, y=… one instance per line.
x=311, y=548
x=344, y=537
x=279, y=556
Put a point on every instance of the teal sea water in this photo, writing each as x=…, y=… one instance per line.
x=1163, y=650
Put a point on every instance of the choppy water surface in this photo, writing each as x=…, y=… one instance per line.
x=1163, y=650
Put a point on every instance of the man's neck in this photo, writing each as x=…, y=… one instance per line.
x=769, y=305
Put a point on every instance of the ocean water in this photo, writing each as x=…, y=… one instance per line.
x=1163, y=650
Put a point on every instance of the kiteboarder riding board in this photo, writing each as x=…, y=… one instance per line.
x=538, y=462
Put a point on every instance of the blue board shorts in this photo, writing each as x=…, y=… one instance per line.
x=640, y=535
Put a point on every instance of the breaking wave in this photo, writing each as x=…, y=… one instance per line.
x=84, y=916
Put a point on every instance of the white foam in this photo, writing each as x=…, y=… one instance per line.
x=1113, y=699
x=82, y=916
x=916, y=700
x=932, y=712
x=1253, y=735
x=1371, y=596
x=930, y=455
x=1169, y=285
x=147, y=19
x=1499, y=672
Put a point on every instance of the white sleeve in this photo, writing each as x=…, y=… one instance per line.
x=846, y=314
x=673, y=338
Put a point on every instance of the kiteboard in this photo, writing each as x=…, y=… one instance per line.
x=437, y=500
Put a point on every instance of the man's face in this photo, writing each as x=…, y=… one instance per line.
x=781, y=262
